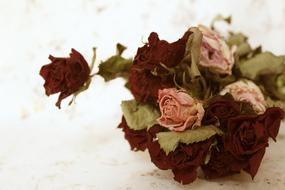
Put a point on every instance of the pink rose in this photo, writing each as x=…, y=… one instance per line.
x=179, y=110
x=247, y=91
x=215, y=53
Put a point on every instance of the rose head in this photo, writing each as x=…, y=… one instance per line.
x=247, y=136
x=65, y=75
x=179, y=110
x=247, y=91
x=221, y=108
x=143, y=84
x=222, y=163
x=215, y=53
x=184, y=161
x=136, y=138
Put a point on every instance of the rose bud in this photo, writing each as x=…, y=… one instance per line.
x=65, y=75
x=247, y=91
x=215, y=53
x=179, y=110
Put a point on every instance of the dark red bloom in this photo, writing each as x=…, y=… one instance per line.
x=222, y=163
x=184, y=161
x=136, y=138
x=65, y=75
x=247, y=136
x=143, y=84
x=220, y=108
x=244, y=143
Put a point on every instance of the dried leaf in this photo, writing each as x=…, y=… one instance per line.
x=115, y=66
x=139, y=116
x=170, y=140
x=263, y=63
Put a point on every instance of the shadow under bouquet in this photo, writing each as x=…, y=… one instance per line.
x=202, y=101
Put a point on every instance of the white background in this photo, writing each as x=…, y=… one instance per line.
x=79, y=147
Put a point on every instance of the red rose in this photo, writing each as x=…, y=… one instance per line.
x=187, y=158
x=65, y=75
x=143, y=84
x=247, y=136
x=136, y=138
x=222, y=163
x=221, y=108
x=183, y=162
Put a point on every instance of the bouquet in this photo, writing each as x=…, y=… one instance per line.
x=204, y=101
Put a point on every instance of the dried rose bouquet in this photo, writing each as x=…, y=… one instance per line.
x=202, y=101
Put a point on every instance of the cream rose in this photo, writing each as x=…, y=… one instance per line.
x=215, y=53
x=179, y=110
x=246, y=90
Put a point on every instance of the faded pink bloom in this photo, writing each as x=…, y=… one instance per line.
x=215, y=53
x=246, y=90
x=179, y=110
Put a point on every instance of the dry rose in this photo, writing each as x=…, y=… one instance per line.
x=244, y=143
x=215, y=53
x=179, y=110
x=136, y=138
x=222, y=163
x=221, y=108
x=247, y=91
x=143, y=84
x=247, y=136
x=184, y=161
x=65, y=75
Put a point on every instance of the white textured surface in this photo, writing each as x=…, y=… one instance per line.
x=79, y=147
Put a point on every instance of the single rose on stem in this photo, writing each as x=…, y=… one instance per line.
x=179, y=110
x=215, y=53
x=247, y=91
x=65, y=75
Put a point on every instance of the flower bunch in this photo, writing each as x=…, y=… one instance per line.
x=202, y=101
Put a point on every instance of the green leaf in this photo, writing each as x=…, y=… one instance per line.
x=240, y=41
x=263, y=63
x=115, y=66
x=170, y=140
x=243, y=49
x=139, y=116
x=236, y=39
